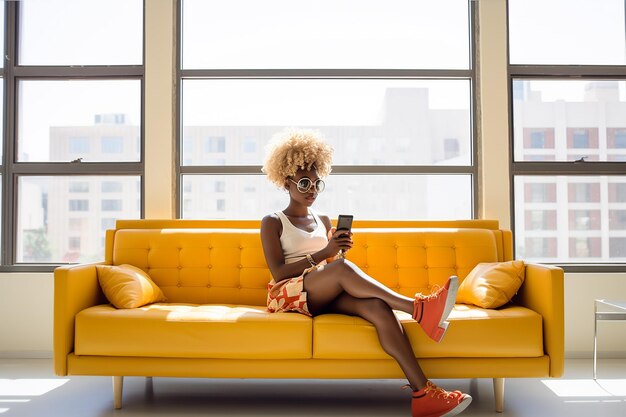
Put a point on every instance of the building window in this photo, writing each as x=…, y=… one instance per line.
x=580, y=139
x=617, y=192
x=78, y=145
x=112, y=145
x=618, y=249
x=537, y=140
x=584, y=219
x=583, y=192
x=215, y=144
x=541, y=219
x=74, y=243
x=111, y=205
x=220, y=186
x=619, y=140
x=111, y=187
x=617, y=219
x=249, y=145
x=540, y=193
x=79, y=205
x=540, y=248
x=79, y=187
x=581, y=247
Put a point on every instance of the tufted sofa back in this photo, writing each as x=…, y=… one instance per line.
x=225, y=264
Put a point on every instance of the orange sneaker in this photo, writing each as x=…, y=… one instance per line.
x=432, y=401
x=431, y=311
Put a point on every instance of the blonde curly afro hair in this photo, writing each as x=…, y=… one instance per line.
x=295, y=149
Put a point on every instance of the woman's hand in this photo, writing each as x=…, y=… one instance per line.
x=339, y=241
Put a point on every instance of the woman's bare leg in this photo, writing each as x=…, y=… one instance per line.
x=390, y=332
x=326, y=284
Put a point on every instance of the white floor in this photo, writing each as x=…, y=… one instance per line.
x=28, y=387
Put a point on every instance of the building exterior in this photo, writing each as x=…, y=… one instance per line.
x=408, y=132
x=63, y=218
x=588, y=215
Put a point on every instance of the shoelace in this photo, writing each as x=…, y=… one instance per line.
x=436, y=392
x=433, y=293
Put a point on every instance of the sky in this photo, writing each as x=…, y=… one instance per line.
x=291, y=34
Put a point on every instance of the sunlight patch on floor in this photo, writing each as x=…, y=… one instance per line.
x=587, y=387
x=29, y=387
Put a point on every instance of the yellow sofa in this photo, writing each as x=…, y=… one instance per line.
x=215, y=324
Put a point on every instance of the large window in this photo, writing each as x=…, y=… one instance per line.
x=389, y=84
x=74, y=159
x=568, y=94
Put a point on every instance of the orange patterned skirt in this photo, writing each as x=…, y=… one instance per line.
x=288, y=294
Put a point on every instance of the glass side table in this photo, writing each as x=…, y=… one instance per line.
x=605, y=310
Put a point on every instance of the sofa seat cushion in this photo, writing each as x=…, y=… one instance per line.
x=512, y=331
x=193, y=331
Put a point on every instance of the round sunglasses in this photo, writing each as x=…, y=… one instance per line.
x=304, y=184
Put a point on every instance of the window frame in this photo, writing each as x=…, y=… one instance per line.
x=12, y=169
x=554, y=168
x=469, y=74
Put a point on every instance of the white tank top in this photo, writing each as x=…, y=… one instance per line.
x=297, y=243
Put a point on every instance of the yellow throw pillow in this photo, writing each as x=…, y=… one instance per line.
x=491, y=285
x=127, y=286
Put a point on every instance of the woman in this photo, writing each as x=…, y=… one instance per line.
x=298, y=242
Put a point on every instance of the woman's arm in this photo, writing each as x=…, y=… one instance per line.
x=271, y=229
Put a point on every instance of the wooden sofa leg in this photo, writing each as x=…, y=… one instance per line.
x=498, y=393
x=118, y=383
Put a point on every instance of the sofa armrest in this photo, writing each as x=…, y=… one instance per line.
x=542, y=292
x=76, y=287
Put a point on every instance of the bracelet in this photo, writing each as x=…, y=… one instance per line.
x=310, y=259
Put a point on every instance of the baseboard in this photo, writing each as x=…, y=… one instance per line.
x=25, y=354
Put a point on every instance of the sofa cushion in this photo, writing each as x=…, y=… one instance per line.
x=512, y=331
x=491, y=285
x=127, y=286
x=193, y=331
x=222, y=266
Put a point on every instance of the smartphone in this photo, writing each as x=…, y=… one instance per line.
x=344, y=222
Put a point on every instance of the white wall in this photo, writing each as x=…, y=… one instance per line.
x=580, y=292
x=26, y=306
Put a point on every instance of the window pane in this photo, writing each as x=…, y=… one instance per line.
x=325, y=34
x=60, y=219
x=1, y=117
x=79, y=32
x=565, y=120
x=577, y=219
x=368, y=122
x=60, y=121
x=567, y=32
x=365, y=196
